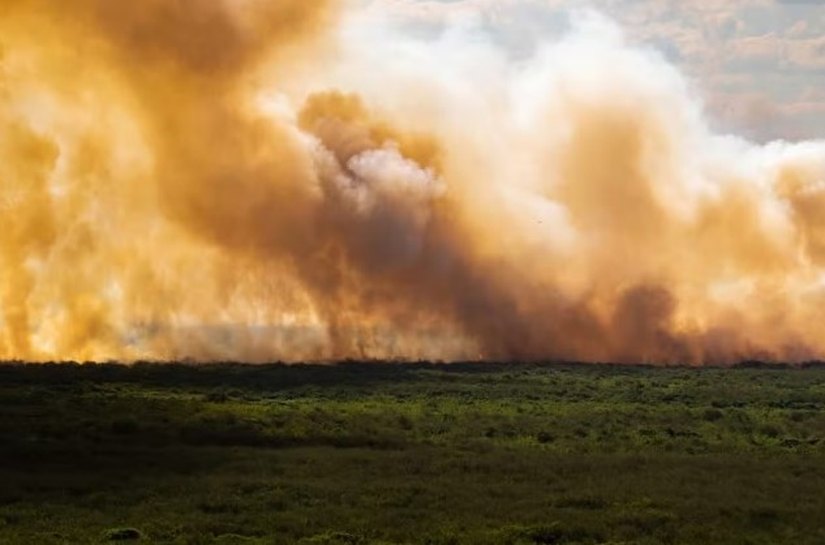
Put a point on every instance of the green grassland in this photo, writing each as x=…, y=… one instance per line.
x=411, y=454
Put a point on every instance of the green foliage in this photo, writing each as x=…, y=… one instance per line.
x=411, y=454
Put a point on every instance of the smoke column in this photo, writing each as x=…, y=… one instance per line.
x=300, y=180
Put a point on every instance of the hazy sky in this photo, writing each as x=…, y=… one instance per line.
x=759, y=64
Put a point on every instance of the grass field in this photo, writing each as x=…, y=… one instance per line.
x=411, y=454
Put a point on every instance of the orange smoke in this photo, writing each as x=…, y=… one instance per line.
x=259, y=180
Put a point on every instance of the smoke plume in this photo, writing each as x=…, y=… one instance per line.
x=300, y=180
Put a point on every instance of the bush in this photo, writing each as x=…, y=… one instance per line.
x=334, y=538
x=235, y=539
x=545, y=534
x=770, y=431
x=122, y=534
x=124, y=427
x=712, y=415
x=218, y=396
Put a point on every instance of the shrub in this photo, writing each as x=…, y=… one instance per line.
x=218, y=396
x=712, y=415
x=798, y=416
x=335, y=538
x=235, y=539
x=124, y=427
x=770, y=431
x=546, y=534
x=122, y=534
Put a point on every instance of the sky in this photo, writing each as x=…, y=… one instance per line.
x=759, y=65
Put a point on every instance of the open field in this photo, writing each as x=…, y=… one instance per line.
x=429, y=454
